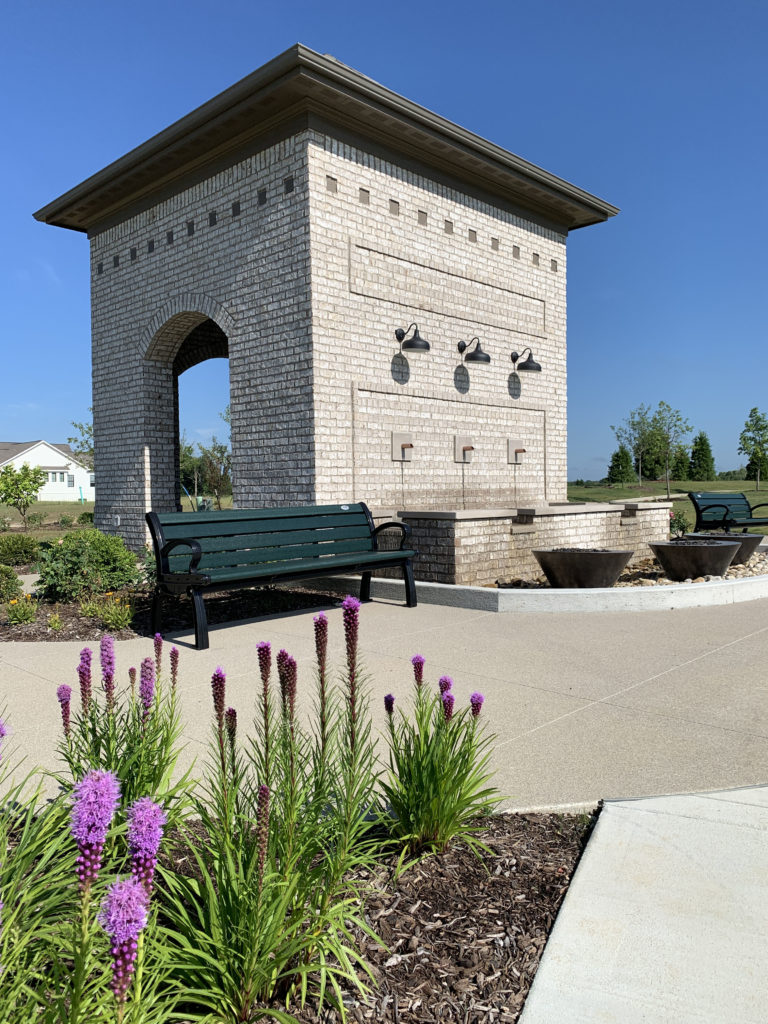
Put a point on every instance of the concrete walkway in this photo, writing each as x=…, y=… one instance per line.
x=666, y=919
x=584, y=707
x=668, y=908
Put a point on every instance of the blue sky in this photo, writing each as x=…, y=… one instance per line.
x=658, y=107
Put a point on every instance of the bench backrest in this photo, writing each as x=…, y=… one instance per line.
x=242, y=537
x=736, y=510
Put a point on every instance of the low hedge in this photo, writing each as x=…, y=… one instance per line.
x=85, y=562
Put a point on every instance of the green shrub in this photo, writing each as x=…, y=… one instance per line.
x=10, y=584
x=86, y=562
x=66, y=521
x=85, y=519
x=18, y=549
x=21, y=610
x=36, y=518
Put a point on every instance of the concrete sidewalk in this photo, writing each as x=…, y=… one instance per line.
x=666, y=919
x=585, y=707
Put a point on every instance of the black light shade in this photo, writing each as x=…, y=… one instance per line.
x=476, y=355
x=528, y=365
x=415, y=343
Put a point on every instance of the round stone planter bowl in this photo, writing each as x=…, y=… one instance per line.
x=749, y=543
x=582, y=567
x=686, y=559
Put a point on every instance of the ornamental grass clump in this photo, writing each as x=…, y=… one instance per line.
x=437, y=785
x=132, y=734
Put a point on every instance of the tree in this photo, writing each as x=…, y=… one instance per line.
x=668, y=428
x=753, y=442
x=19, y=488
x=681, y=462
x=216, y=463
x=757, y=469
x=82, y=443
x=621, y=470
x=702, y=464
x=636, y=435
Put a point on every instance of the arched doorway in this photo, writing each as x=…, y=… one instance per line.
x=173, y=345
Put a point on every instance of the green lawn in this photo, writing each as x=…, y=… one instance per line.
x=53, y=511
x=679, y=489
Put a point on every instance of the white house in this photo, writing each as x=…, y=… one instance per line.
x=66, y=478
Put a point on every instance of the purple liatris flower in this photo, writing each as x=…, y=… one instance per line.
x=84, y=675
x=64, y=696
x=94, y=801
x=321, y=641
x=445, y=683
x=147, y=686
x=123, y=915
x=145, y=831
x=264, y=652
x=3, y=733
x=476, y=702
x=158, y=642
x=218, y=688
x=389, y=703
x=418, y=669
x=230, y=722
x=107, y=654
x=287, y=672
x=448, y=702
x=351, y=615
x=174, y=667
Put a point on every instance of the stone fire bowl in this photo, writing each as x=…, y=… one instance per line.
x=691, y=558
x=749, y=543
x=582, y=567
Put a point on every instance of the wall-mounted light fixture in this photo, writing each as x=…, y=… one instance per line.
x=527, y=365
x=475, y=356
x=415, y=343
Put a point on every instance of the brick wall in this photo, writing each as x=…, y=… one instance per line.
x=390, y=247
x=232, y=249
x=478, y=549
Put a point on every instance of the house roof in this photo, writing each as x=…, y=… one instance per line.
x=303, y=87
x=12, y=449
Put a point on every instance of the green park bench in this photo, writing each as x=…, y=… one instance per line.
x=213, y=551
x=722, y=510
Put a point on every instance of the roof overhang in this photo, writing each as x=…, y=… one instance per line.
x=301, y=82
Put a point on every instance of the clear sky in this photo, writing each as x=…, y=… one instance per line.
x=658, y=107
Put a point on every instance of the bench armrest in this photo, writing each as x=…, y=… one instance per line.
x=403, y=527
x=195, y=550
x=763, y=504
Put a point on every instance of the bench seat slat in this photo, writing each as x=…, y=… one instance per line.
x=254, y=556
x=253, y=514
x=242, y=541
x=237, y=527
x=304, y=565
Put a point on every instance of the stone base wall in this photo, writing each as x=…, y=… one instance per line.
x=477, y=548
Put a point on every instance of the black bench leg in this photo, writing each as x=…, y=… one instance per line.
x=365, y=587
x=157, y=612
x=410, y=586
x=201, y=621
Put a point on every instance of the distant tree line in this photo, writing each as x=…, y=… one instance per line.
x=652, y=445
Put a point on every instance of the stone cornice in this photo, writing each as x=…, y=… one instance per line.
x=301, y=81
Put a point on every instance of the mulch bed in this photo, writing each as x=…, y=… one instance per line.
x=177, y=614
x=462, y=937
